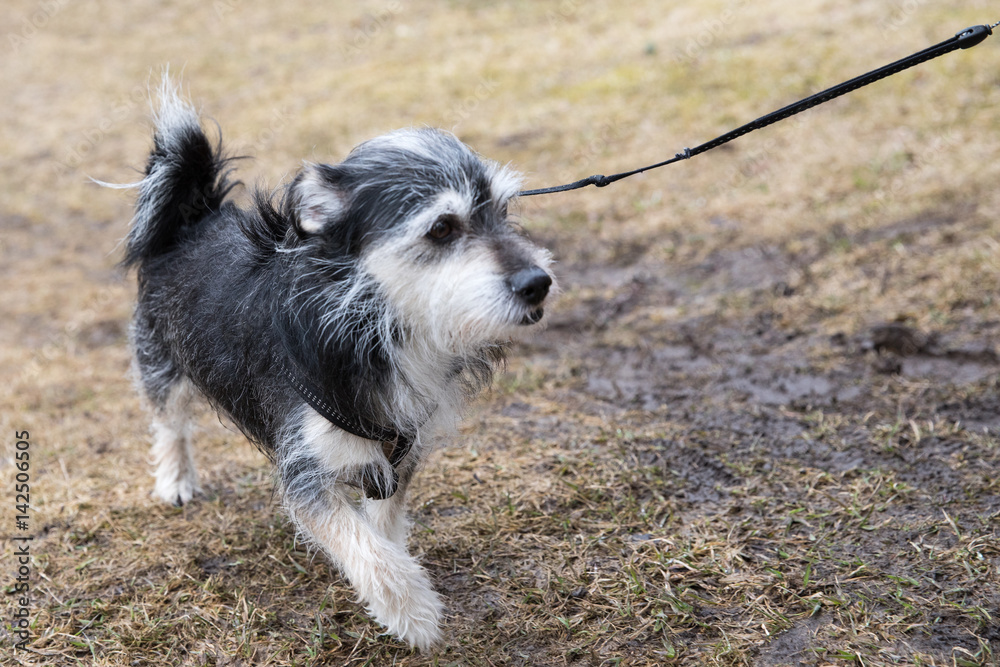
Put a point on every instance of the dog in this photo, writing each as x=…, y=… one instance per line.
x=341, y=323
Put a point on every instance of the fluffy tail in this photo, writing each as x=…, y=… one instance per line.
x=185, y=180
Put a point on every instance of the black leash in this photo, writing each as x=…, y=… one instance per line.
x=962, y=40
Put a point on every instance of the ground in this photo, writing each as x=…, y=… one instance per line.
x=760, y=428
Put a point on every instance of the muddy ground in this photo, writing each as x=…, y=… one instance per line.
x=760, y=401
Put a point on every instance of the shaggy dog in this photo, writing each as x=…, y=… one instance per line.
x=340, y=325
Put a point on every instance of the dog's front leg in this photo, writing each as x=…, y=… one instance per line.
x=389, y=515
x=365, y=538
x=389, y=581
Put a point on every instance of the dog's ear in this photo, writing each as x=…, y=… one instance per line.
x=318, y=199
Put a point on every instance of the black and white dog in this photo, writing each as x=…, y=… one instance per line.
x=340, y=326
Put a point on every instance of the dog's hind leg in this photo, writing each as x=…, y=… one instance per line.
x=170, y=395
x=176, y=475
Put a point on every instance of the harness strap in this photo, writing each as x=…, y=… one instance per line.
x=371, y=482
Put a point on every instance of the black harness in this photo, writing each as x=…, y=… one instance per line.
x=372, y=482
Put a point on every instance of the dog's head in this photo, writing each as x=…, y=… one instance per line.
x=426, y=220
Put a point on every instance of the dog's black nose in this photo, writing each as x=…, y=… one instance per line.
x=531, y=285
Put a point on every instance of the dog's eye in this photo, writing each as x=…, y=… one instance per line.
x=443, y=228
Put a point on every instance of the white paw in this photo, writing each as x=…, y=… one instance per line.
x=177, y=489
x=412, y=614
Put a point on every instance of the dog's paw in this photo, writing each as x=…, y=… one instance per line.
x=413, y=614
x=178, y=490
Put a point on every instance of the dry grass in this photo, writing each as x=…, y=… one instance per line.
x=761, y=428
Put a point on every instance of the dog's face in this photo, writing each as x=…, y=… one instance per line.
x=426, y=219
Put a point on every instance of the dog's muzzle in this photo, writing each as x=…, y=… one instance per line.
x=531, y=286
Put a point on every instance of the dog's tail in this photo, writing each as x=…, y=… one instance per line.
x=185, y=180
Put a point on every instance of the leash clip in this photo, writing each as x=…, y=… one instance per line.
x=974, y=35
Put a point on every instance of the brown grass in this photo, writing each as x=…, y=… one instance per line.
x=761, y=428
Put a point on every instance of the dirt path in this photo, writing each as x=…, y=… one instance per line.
x=864, y=461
